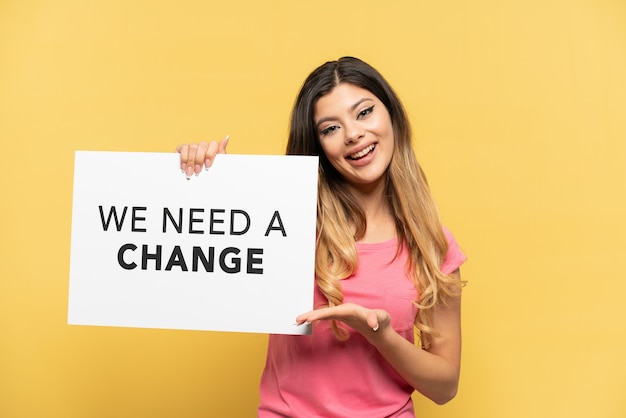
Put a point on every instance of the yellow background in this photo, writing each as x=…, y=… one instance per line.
x=519, y=111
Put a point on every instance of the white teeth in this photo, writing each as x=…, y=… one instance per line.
x=362, y=153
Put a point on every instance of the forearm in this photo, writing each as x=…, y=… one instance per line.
x=432, y=375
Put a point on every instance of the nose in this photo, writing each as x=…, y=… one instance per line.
x=354, y=132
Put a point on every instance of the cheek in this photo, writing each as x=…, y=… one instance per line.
x=330, y=150
x=333, y=159
x=392, y=137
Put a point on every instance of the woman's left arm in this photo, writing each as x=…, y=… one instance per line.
x=433, y=373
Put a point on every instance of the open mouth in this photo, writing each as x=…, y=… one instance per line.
x=362, y=153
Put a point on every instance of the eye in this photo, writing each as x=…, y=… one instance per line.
x=363, y=113
x=329, y=130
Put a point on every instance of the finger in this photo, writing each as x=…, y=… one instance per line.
x=183, y=150
x=315, y=315
x=210, y=154
x=304, y=318
x=372, y=320
x=302, y=322
x=222, y=145
x=191, y=159
x=200, y=156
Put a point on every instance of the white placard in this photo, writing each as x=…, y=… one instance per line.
x=229, y=250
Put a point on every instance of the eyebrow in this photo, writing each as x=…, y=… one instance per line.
x=352, y=109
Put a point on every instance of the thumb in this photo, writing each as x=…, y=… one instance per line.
x=372, y=320
x=221, y=149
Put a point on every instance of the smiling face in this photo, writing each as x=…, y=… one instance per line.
x=356, y=134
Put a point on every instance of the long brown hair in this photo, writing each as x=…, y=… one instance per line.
x=416, y=217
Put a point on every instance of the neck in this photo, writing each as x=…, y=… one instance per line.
x=380, y=221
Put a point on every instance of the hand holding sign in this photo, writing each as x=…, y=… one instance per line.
x=194, y=156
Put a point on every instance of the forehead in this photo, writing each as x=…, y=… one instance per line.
x=343, y=95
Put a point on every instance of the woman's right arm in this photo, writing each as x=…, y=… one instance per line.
x=195, y=156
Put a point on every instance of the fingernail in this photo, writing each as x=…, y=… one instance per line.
x=375, y=328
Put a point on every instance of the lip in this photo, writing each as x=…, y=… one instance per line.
x=364, y=160
x=357, y=150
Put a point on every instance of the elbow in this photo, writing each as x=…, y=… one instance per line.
x=447, y=388
x=444, y=399
x=446, y=394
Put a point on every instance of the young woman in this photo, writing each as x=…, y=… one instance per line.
x=384, y=262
